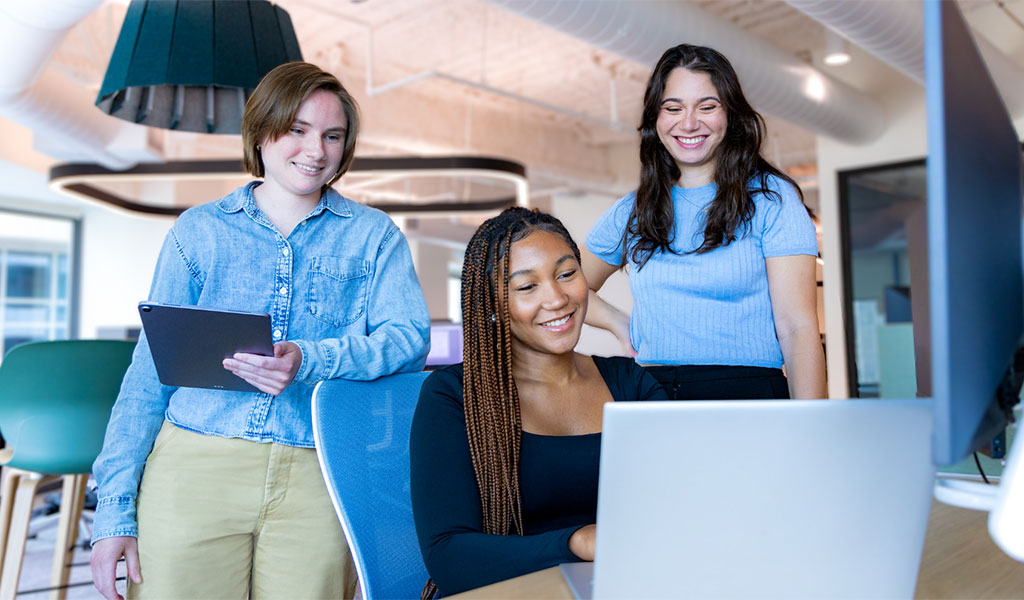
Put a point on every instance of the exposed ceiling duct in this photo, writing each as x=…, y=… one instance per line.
x=58, y=110
x=894, y=33
x=776, y=82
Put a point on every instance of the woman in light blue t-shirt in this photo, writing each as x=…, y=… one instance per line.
x=720, y=247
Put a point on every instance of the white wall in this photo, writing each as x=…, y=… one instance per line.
x=119, y=252
x=905, y=138
x=118, y=249
x=579, y=213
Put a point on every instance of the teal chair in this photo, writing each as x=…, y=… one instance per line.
x=361, y=430
x=55, y=401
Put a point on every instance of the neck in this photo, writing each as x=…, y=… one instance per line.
x=283, y=209
x=552, y=369
x=699, y=176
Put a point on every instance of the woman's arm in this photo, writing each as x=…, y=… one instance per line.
x=135, y=420
x=599, y=312
x=446, y=503
x=793, y=291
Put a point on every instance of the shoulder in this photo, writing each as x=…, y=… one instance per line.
x=444, y=382
x=618, y=370
x=440, y=403
x=627, y=380
x=197, y=220
x=779, y=190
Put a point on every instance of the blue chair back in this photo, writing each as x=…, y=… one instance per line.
x=361, y=430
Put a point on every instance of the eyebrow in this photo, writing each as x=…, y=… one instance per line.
x=331, y=129
x=704, y=99
x=529, y=271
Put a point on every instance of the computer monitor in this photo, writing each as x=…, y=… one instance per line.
x=974, y=231
x=976, y=285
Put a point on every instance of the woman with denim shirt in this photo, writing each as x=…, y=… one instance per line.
x=226, y=485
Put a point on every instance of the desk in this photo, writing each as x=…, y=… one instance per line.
x=959, y=561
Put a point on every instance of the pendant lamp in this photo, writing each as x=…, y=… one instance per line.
x=190, y=65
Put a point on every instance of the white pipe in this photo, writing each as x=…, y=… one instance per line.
x=893, y=31
x=58, y=110
x=776, y=82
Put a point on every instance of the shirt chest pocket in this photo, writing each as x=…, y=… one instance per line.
x=338, y=289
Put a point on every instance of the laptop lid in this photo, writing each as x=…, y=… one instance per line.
x=763, y=499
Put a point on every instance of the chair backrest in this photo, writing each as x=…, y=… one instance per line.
x=55, y=401
x=361, y=430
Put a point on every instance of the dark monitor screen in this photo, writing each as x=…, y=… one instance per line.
x=974, y=236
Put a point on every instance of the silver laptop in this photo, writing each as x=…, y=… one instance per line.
x=761, y=499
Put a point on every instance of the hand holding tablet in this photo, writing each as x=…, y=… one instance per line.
x=190, y=344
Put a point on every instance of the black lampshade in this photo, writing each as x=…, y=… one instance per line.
x=190, y=65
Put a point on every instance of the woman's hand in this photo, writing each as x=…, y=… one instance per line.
x=105, y=554
x=581, y=543
x=270, y=374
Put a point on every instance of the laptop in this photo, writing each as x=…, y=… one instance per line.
x=761, y=499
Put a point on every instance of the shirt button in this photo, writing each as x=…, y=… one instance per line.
x=284, y=251
x=277, y=334
x=284, y=290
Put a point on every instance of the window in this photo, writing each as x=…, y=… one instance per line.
x=35, y=278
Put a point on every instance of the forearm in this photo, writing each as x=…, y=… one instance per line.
x=393, y=348
x=464, y=561
x=805, y=362
x=603, y=315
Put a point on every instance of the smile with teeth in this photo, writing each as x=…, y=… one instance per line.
x=557, y=322
x=308, y=169
x=691, y=141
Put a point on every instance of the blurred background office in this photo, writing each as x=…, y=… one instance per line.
x=552, y=90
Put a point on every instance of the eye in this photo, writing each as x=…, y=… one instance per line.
x=333, y=137
x=708, y=108
x=295, y=130
x=671, y=109
x=567, y=274
x=526, y=287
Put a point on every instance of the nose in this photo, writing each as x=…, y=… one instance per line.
x=688, y=120
x=554, y=297
x=313, y=146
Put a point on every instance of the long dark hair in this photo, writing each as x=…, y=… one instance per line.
x=740, y=170
x=490, y=397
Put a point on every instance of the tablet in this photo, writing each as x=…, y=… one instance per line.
x=189, y=343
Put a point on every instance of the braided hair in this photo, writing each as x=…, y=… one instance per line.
x=493, y=421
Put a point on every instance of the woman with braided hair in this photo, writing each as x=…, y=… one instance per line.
x=505, y=446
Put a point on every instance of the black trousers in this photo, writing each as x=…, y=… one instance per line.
x=721, y=382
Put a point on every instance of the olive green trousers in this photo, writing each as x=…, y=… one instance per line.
x=228, y=518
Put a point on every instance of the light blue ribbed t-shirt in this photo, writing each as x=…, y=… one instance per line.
x=711, y=308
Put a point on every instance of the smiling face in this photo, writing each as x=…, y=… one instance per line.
x=547, y=295
x=691, y=125
x=308, y=155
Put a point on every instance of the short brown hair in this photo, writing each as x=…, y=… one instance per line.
x=271, y=109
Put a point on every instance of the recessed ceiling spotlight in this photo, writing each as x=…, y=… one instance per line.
x=836, y=53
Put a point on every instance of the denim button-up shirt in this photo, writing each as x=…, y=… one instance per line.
x=341, y=286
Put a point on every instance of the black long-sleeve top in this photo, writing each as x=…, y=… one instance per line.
x=557, y=482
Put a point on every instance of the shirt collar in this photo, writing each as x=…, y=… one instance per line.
x=242, y=198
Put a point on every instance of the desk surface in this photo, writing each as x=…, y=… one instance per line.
x=959, y=561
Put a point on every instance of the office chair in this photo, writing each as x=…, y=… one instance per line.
x=361, y=429
x=55, y=401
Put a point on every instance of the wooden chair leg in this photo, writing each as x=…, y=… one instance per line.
x=71, y=501
x=8, y=483
x=21, y=512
